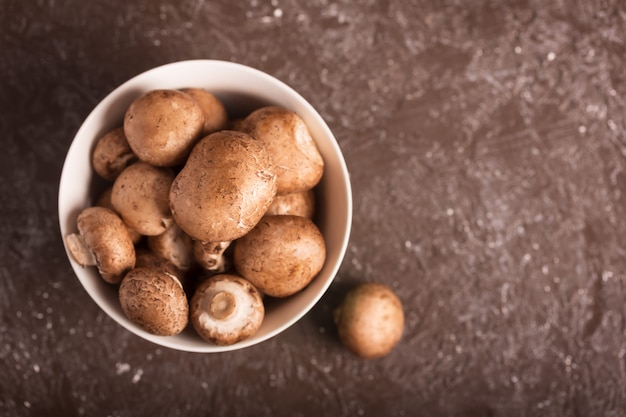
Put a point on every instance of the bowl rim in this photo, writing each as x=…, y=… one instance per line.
x=102, y=105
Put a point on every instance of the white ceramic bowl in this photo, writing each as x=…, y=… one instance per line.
x=242, y=89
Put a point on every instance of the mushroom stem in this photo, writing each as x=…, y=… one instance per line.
x=80, y=250
x=222, y=305
x=210, y=255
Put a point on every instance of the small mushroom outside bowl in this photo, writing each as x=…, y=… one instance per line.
x=242, y=89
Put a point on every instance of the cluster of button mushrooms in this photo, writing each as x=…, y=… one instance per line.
x=204, y=216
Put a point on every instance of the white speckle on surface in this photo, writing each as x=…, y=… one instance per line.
x=36, y=368
x=551, y=56
x=518, y=49
x=137, y=376
x=606, y=275
x=156, y=42
x=582, y=129
x=450, y=211
x=121, y=368
x=612, y=125
x=27, y=404
x=278, y=13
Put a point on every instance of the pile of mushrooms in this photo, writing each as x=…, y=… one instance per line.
x=204, y=218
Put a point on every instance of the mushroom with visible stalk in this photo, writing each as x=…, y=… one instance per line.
x=104, y=200
x=281, y=255
x=224, y=189
x=210, y=255
x=154, y=300
x=140, y=196
x=102, y=240
x=174, y=245
x=226, y=309
x=162, y=126
x=215, y=115
x=299, y=164
x=300, y=203
x=370, y=320
x=112, y=154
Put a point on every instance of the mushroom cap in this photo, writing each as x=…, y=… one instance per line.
x=281, y=255
x=299, y=164
x=301, y=203
x=370, y=320
x=213, y=110
x=146, y=257
x=112, y=154
x=174, y=245
x=104, y=234
x=224, y=188
x=154, y=300
x=226, y=309
x=104, y=200
x=140, y=196
x=162, y=126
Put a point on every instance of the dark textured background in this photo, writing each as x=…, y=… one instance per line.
x=486, y=145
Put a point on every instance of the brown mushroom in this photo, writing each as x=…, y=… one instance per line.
x=174, y=245
x=104, y=200
x=226, y=309
x=140, y=196
x=102, y=240
x=281, y=255
x=298, y=204
x=224, y=188
x=299, y=164
x=213, y=110
x=162, y=126
x=146, y=258
x=154, y=300
x=112, y=154
x=210, y=255
x=370, y=320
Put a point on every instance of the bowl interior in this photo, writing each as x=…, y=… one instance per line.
x=242, y=89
